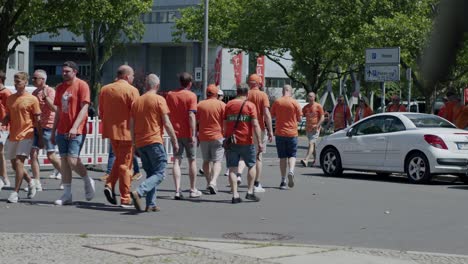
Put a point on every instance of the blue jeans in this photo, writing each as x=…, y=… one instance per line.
x=69, y=147
x=111, y=159
x=154, y=161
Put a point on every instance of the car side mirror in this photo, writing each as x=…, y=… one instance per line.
x=349, y=133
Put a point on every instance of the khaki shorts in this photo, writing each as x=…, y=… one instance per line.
x=212, y=150
x=184, y=144
x=264, y=137
x=18, y=148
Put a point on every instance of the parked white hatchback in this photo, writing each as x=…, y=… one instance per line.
x=420, y=145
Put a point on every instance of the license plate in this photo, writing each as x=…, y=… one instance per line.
x=462, y=146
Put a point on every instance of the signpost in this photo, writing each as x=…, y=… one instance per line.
x=382, y=65
x=198, y=74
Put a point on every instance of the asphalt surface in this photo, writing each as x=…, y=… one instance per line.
x=358, y=210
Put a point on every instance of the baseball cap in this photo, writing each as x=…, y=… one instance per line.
x=255, y=78
x=212, y=89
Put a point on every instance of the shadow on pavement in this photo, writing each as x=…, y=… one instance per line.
x=464, y=187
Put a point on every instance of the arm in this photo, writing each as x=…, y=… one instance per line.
x=54, y=127
x=50, y=101
x=267, y=118
x=36, y=120
x=257, y=134
x=170, y=132
x=193, y=126
x=322, y=119
x=6, y=120
x=81, y=116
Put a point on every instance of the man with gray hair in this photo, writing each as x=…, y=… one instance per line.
x=46, y=96
x=287, y=112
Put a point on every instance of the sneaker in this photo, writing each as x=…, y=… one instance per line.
x=252, y=197
x=178, y=196
x=136, y=176
x=283, y=186
x=136, y=201
x=259, y=189
x=104, y=177
x=13, y=197
x=1, y=185
x=32, y=189
x=226, y=173
x=38, y=186
x=236, y=200
x=290, y=179
x=89, y=188
x=195, y=194
x=127, y=205
x=6, y=181
x=53, y=176
x=110, y=196
x=201, y=172
x=66, y=199
x=211, y=189
x=239, y=180
x=61, y=186
x=58, y=176
x=304, y=163
x=152, y=209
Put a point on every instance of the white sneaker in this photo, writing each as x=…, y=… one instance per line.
x=66, y=199
x=13, y=197
x=61, y=187
x=226, y=173
x=58, y=175
x=1, y=185
x=259, y=189
x=38, y=186
x=6, y=181
x=32, y=189
x=89, y=188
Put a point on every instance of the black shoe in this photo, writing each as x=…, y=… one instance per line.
x=178, y=196
x=110, y=196
x=211, y=189
x=283, y=186
x=304, y=163
x=136, y=201
x=236, y=200
x=201, y=172
x=252, y=197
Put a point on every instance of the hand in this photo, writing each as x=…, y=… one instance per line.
x=270, y=137
x=193, y=140
x=72, y=133
x=175, y=147
x=260, y=148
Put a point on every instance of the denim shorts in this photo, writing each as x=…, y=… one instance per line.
x=70, y=147
x=46, y=134
x=235, y=152
x=286, y=147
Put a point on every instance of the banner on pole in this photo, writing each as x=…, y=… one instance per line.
x=237, y=63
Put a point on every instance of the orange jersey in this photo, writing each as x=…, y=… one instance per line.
x=452, y=110
x=180, y=102
x=312, y=112
x=22, y=109
x=210, y=116
x=4, y=94
x=47, y=114
x=68, y=99
x=147, y=112
x=341, y=115
x=287, y=112
x=362, y=113
x=244, y=130
x=115, y=103
x=260, y=100
x=396, y=108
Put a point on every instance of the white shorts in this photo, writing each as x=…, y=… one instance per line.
x=18, y=148
x=3, y=137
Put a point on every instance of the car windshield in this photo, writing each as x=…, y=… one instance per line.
x=429, y=121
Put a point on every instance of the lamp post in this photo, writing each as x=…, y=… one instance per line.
x=205, y=53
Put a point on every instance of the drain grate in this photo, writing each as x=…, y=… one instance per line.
x=133, y=249
x=257, y=236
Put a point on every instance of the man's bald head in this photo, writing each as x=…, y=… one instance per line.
x=125, y=72
x=287, y=90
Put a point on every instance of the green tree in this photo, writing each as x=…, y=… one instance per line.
x=25, y=18
x=105, y=25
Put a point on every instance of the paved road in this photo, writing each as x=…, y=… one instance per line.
x=359, y=210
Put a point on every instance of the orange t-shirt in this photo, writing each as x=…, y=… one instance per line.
x=367, y=111
x=115, y=103
x=147, y=112
x=47, y=114
x=396, y=108
x=287, y=111
x=452, y=110
x=210, y=116
x=341, y=115
x=68, y=99
x=22, y=109
x=244, y=130
x=4, y=94
x=180, y=102
x=312, y=112
x=260, y=100
x=462, y=119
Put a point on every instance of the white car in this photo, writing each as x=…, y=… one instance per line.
x=420, y=145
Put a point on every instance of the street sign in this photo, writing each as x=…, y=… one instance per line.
x=198, y=74
x=382, y=73
x=383, y=56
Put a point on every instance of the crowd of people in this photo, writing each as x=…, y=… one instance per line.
x=237, y=132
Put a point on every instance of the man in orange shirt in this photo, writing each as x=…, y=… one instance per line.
x=341, y=115
x=46, y=96
x=23, y=114
x=363, y=110
x=452, y=107
x=241, y=122
x=4, y=93
x=149, y=117
x=210, y=116
x=182, y=105
x=396, y=106
x=115, y=103
x=72, y=101
x=287, y=112
x=314, y=115
x=262, y=104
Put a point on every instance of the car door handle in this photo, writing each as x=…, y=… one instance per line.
x=380, y=139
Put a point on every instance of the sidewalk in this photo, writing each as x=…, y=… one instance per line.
x=85, y=248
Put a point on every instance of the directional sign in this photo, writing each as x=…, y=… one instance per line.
x=382, y=73
x=383, y=55
x=198, y=74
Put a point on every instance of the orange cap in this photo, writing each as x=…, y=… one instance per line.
x=212, y=89
x=255, y=78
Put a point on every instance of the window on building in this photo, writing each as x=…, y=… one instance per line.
x=12, y=61
x=160, y=17
x=20, y=61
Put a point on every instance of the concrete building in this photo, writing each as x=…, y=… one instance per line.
x=18, y=61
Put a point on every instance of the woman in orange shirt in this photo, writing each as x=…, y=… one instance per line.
x=363, y=110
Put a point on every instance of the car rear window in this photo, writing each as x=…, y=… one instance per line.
x=429, y=121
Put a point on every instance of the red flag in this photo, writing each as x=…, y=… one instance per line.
x=217, y=67
x=237, y=62
x=260, y=69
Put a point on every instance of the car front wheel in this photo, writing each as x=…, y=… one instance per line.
x=418, y=169
x=331, y=162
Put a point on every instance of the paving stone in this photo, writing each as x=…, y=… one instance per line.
x=133, y=249
x=274, y=251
